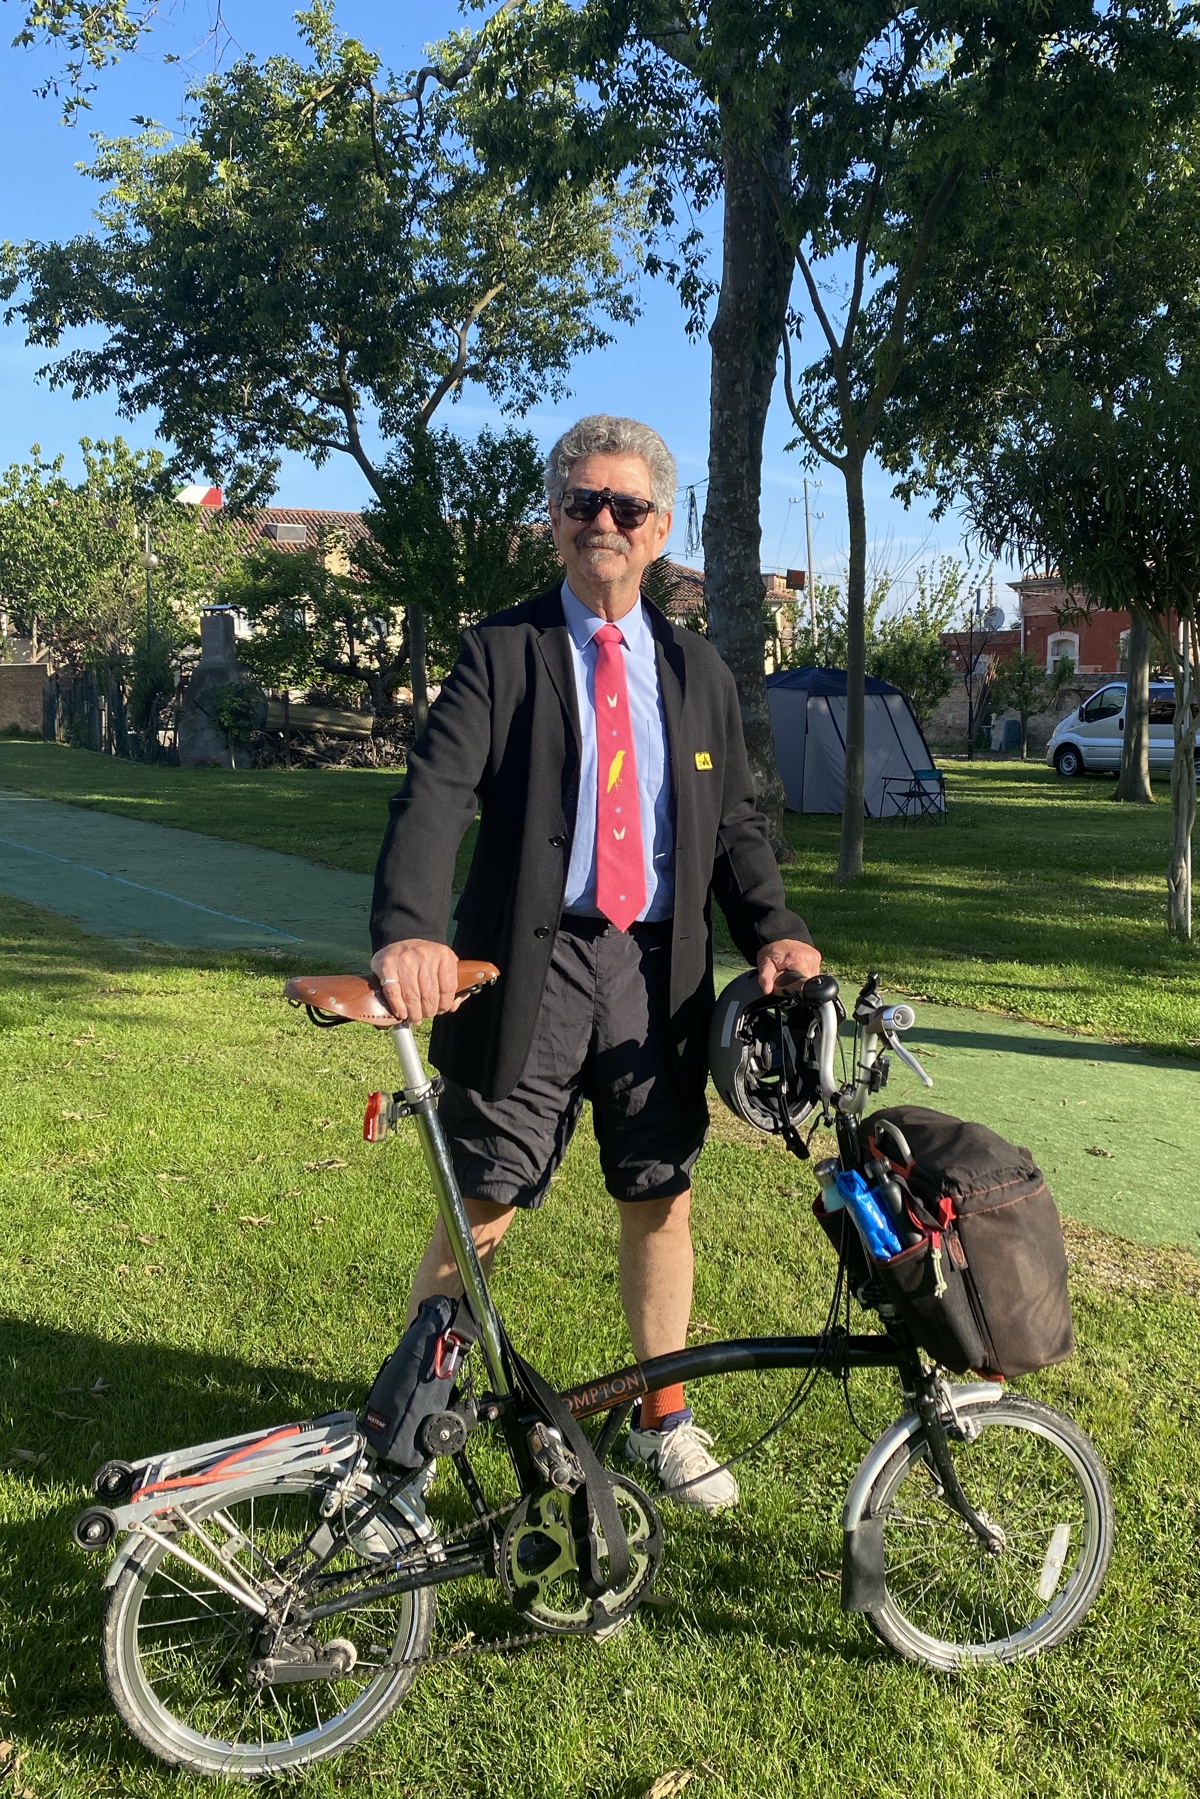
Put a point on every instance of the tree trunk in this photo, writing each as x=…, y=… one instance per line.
x=1133, y=782
x=286, y=697
x=1183, y=784
x=745, y=338
x=850, y=854
x=416, y=668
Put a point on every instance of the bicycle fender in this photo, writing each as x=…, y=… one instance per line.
x=863, y=1584
x=117, y=1566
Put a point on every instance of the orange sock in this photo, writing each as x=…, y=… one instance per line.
x=657, y=1406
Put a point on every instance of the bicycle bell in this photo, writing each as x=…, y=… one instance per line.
x=762, y=1051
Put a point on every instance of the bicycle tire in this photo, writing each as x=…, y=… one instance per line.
x=187, y=1694
x=950, y=1601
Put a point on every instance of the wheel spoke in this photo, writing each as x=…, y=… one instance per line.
x=948, y=1597
x=185, y=1666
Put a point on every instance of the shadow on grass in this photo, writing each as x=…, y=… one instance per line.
x=155, y=1397
x=152, y=1397
x=46, y=959
x=1069, y=1049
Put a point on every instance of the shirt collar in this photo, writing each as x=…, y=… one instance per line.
x=583, y=623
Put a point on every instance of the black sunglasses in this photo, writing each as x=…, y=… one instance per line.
x=587, y=503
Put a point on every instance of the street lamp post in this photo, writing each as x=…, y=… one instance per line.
x=149, y=561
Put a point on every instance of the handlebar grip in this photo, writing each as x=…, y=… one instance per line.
x=886, y=1019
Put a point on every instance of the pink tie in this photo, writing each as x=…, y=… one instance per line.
x=620, y=865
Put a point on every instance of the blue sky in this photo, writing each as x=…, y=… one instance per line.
x=652, y=371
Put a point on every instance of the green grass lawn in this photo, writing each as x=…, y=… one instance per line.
x=197, y=1241
x=1038, y=897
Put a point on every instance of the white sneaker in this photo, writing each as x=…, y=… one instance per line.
x=681, y=1460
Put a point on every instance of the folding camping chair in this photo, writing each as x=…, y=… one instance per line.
x=921, y=794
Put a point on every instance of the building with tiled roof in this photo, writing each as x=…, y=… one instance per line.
x=298, y=528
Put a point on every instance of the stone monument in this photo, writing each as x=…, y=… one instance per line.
x=202, y=741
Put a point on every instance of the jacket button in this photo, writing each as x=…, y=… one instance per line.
x=558, y=843
x=543, y=930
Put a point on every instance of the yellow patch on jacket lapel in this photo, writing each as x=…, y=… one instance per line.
x=703, y=759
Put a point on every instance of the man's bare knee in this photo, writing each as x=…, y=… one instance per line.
x=641, y=1218
x=438, y=1271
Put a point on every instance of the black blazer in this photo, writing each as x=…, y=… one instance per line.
x=503, y=737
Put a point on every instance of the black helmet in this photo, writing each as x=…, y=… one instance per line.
x=762, y=1051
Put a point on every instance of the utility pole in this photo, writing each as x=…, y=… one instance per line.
x=812, y=586
x=974, y=616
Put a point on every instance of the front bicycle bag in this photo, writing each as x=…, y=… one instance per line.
x=986, y=1287
x=417, y=1380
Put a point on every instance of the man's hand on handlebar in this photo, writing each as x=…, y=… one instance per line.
x=788, y=954
x=419, y=979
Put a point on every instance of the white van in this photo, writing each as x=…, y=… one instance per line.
x=1090, y=737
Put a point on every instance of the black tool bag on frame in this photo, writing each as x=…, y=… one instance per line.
x=417, y=1380
x=986, y=1287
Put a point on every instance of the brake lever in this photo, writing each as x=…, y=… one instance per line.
x=906, y=1056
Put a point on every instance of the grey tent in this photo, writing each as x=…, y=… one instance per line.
x=808, y=718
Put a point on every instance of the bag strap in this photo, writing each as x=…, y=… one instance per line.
x=594, y=1505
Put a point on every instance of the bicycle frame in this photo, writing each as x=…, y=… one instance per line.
x=616, y=1393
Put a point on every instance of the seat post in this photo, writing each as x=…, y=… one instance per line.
x=418, y=1091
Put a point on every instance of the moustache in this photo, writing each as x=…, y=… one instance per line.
x=603, y=540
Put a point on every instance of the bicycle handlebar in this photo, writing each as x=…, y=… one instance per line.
x=878, y=1025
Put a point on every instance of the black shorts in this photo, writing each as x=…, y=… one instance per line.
x=602, y=1035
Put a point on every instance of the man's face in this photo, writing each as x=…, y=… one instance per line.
x=602, y=554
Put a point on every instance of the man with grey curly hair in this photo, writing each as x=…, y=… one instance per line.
x=602, y=748
x=601, y=434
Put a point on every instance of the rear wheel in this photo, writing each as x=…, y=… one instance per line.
x=190, y=1666
x=951, y=1601
x=1068, y=760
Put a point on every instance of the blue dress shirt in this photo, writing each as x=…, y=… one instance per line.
x=650, y=749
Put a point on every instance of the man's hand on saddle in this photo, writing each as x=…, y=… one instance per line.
x=419, y=979
x=787, y=955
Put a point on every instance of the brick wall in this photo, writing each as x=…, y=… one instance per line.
x=22, y=685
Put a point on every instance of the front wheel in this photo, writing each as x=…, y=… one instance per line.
x=189, y=1666
x=951, y=1601
x=1068, y=760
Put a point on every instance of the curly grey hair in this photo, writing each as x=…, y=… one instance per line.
x=602, y=434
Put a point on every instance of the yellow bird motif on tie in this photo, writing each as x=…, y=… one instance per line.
x=614, y=770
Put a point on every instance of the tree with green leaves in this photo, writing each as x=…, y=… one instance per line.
x=90, y=34
x=1023, y=686
x=461, y=535
x=718, y=100
x=320, y=261
x=844, y=141
x=311, y=623
x=1110, y=492
x=904, y=644
x=1073, y=433
x=920, y=139
x=73, y=575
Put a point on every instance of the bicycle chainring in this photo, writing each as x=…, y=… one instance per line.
x=539, y=1569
